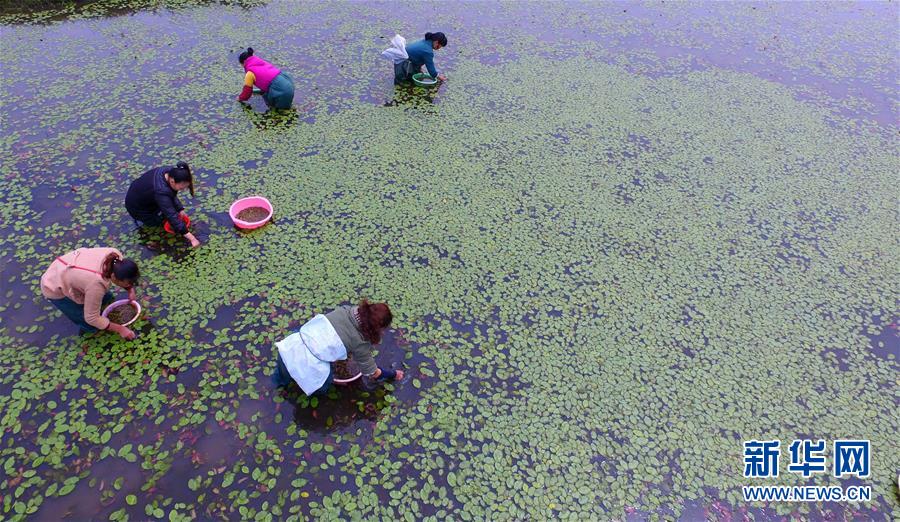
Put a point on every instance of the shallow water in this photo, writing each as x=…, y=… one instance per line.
x=620, y=240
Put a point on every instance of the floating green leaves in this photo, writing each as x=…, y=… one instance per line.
x=610, y=266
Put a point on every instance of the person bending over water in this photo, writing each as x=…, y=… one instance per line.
x=306, y=355
x=78, y=284
x=152, y=199
x=420, y=54
x=276, y=86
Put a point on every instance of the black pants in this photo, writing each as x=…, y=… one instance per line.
x=404, y=71
x=145, y=218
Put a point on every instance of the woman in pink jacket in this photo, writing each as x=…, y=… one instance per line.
x=276, y=86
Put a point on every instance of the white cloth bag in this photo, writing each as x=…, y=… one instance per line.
x=308, y=354
x=397, y=51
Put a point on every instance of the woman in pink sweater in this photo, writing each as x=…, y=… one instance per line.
x=78, y=284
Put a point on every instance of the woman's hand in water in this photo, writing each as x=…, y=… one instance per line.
x=386, y=375
x=442, y=78
x=132, y=295
x=123, y=331
x=194, y=241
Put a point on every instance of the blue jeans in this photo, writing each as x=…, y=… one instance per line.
x=281, y=92
x=281, y=377
x=75, y=311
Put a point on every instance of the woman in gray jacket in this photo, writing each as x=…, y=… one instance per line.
x=306, y=355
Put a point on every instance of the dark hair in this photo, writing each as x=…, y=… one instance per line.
x=440, y=38
x=372, y=319
x=181, y=173
x=125, y=270
x=246, y=54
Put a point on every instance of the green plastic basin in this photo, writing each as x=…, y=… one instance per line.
x=424, y=80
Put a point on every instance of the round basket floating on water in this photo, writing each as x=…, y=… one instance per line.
x=250, y=213
x=423, y=79
x=123, y=312
x=345, y=371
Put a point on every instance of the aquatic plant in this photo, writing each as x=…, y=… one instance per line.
x=606, y=273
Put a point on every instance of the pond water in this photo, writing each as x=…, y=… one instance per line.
x=619, y=241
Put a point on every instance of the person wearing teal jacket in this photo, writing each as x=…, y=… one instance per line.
x=421, y=53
